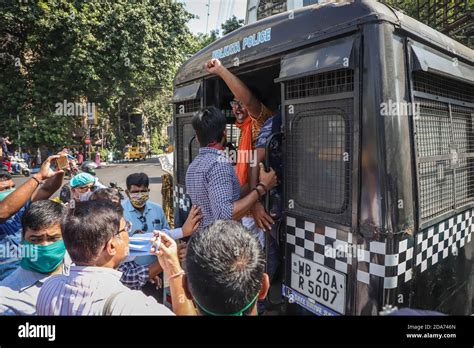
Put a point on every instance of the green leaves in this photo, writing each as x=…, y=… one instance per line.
x=115, y=54
x=231, y=24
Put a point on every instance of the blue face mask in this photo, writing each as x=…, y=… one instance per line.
x=139, y=245
x=4, y=194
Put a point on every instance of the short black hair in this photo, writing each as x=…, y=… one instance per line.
x=224, y=266
x=107, y=194
x=88, y=227
x=209, y=125
x=42, y=214
x=137, y=179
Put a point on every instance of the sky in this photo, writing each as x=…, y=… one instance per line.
x=220, y=11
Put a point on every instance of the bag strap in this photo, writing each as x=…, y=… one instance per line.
x=107, y=310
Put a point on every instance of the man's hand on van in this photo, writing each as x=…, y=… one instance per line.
x=268, y=179
x=192, y=222
x=262, y=219
x=214, y=66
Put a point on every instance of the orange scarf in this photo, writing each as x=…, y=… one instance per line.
x=245, y=144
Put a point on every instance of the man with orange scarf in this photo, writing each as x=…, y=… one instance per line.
x=250, y=116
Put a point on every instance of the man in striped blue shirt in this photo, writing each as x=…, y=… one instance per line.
x=211, y=181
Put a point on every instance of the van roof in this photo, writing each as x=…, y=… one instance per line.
x=279, y=33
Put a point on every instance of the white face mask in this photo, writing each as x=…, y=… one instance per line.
x=85, y=196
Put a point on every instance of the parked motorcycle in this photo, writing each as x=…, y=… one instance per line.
x=18, y=166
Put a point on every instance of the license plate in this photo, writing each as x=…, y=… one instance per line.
x=319, y=282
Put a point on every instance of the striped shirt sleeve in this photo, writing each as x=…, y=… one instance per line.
x=221, y=191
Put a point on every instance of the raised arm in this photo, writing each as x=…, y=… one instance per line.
x=18, y=198
x=236, y=86
x=52, y=184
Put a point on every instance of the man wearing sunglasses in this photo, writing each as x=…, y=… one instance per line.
x=147, y=216
x=251, y=115
x=249, y=112
x=96, y=237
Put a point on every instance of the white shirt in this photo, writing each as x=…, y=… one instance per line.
x=19, y=291
x=85, y=291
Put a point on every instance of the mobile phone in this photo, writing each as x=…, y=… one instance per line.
x=62, y=162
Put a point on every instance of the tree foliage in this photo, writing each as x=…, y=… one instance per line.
x=119, y=55
x=231, y=24
x=451, y=17
x=204, y=40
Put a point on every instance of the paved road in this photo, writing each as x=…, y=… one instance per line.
x=119, y=172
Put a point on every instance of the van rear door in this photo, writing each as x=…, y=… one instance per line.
x=319, y=103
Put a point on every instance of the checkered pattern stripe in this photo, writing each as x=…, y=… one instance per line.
x=443, y=239
x=335, y=249
x=326, y=246
x=375, y=265
x=181, y=200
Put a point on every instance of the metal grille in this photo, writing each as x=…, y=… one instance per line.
x=443, y=87
x=185, y=133
x=463, y=133
x=445, y=148
x=436, y=188
x=188, y=106
x=319, y=159
x=433, y=132
x=462, y=128
x=338, y=81
x=233, y=133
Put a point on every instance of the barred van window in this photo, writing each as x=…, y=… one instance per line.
x=187, y=106
x=443, y=87
x=319, y=158
x=331, y=82
x=444, y=140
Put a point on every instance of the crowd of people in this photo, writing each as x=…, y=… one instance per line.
x=98, y=253
x=11, y=154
